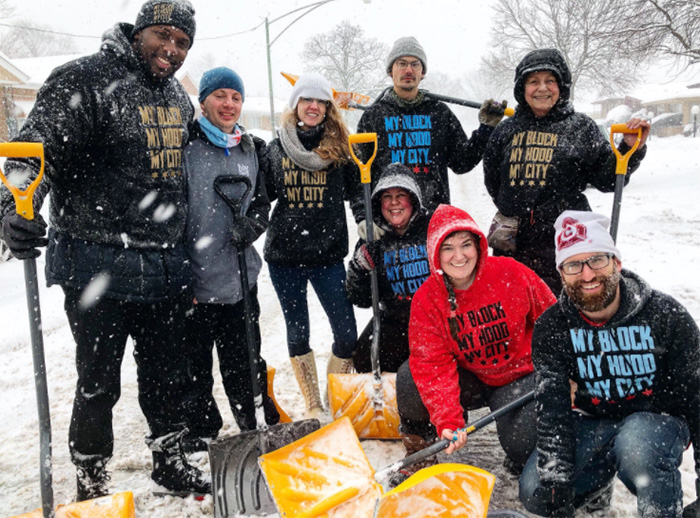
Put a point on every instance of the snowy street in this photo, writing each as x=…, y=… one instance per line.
x=658, y=238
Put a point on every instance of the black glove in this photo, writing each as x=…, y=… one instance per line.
x=366, y=255
x=559, y=500
x=491, y=112
x=693, y=510
x=245, y=231
x=22, y=236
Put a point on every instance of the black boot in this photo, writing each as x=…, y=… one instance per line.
x=92, y=479
x=171, y=470
x=413, y=443
x=597, y=502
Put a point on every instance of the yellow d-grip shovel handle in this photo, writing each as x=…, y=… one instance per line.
x=23, y=198
x=623, y=160
x=363, y=138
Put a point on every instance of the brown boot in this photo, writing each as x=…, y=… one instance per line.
x=413, y=443
x=304, y=367
x=337, y=365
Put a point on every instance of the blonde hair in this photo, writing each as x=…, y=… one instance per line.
x=334, y=144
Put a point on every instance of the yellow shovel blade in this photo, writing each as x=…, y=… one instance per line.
x=440, y=491
x=325, y=474
x=120, y=505
x=284, y=417
x=352, y=396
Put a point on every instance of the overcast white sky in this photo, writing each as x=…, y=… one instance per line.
x=454, y=33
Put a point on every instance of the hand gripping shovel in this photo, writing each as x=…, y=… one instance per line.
x=368, y=400
x=238, y=485
x=25, y=208
x=620, y=172
x=326, y=474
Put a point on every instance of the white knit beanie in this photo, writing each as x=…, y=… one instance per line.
x=312, y=85
x=578, y=232
x=406, y=46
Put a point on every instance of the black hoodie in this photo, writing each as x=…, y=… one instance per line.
x=646, y=358
x=543, y=164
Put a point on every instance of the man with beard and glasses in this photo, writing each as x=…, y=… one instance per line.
x=419, y=132
x=630, y=358
x=114, y=125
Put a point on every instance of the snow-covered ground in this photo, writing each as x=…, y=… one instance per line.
x=658, y=238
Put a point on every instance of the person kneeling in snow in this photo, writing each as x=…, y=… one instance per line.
x=402, y=265
x=634, y=355
x=469, y=337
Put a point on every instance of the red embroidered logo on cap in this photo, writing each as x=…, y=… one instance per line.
x=572, y=232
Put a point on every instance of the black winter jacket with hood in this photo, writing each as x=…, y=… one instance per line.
x=113, y=140
x=543, y=164
x=646, y=358
x=401, y=260
x=426, y=137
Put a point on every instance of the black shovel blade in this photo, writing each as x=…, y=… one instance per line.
x=237, y=481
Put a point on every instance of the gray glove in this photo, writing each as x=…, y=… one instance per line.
x=491, y=112
x=362, y=230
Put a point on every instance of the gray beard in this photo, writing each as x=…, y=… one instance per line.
x=594, y=303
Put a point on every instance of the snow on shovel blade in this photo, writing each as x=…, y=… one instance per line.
x=440, y=491
x=325, y=474
x=352, y=396
x=237, y=483
x=120, y=505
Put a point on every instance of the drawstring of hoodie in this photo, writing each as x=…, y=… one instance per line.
x=452, y=299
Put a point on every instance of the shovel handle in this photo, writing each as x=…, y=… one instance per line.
x=23, y=198
x=232, y=179
x=365, y=168
x=444, y=443
x=623, y=160
x=508, y=112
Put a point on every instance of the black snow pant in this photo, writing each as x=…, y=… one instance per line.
x=223, y=326
x=393, y=345
x=101, y=332
x=516, y=429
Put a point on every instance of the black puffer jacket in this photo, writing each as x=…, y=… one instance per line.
x=308, y=226
x=113, y=140
x=646, y=358
x=427, y=138
x=401, y=260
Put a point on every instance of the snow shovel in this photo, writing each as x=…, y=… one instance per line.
x=620, y=172
x=25, y=208
x=326, y=474
x=238, y=485
x=369, y=400
x=120, y=505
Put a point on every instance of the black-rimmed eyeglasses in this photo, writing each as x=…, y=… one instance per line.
x=594, y=263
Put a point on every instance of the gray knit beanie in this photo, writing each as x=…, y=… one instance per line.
x=178, y=13
x=312, y=85
x=406, y=46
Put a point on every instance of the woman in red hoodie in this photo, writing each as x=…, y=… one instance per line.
x=469, y=337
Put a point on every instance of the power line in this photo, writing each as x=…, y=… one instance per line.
x=59, y=33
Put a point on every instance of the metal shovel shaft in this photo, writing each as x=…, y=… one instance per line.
x=42, y=392
x=444, y=443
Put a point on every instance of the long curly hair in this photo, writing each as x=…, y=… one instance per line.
x=334, y=144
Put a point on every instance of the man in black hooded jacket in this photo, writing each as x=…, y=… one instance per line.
x=538, y=162
x=632, y=355
x=113, y=125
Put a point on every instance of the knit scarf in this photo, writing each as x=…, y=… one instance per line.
x=307, y=160
x=218, y=137
x=403, y=103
